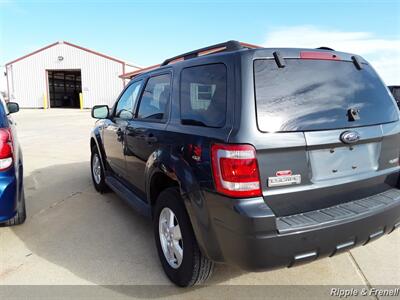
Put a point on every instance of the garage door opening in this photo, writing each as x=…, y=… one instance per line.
x=64, y=88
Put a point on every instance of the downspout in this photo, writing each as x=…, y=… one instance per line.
x=123, y=72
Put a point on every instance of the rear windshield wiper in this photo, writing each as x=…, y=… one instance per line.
x=192, y=122
x=280, y=61
x=356, y=62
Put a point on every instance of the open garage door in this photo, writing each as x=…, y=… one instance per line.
x=64, y=88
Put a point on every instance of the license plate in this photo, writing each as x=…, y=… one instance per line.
x=284, y=180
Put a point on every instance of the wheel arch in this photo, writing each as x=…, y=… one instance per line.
x=164, y=170
x=95, y=141
x=158, y=182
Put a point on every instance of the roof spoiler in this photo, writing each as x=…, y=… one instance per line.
x=325, y=48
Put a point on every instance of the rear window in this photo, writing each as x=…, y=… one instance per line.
x=317, y=95
x=203, y=95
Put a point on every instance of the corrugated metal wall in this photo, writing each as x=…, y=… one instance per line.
x=28, y=81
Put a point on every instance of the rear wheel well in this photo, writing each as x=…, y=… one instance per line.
x=160, y=182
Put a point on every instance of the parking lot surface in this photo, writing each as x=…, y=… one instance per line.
x=75, y=236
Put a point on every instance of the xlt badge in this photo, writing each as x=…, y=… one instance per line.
x=284, y=180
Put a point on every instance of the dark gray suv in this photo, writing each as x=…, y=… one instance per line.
x=260, y=158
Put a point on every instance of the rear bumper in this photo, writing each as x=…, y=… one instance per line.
x=248, y=235
x=8, y=195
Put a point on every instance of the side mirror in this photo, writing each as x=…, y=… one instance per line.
x=12, y=107
x=100, y=112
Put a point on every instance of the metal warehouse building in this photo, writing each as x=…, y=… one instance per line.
x=65, y=75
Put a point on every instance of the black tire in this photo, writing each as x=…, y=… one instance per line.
x=101, y=185
x=20, y=216
x=195, y=267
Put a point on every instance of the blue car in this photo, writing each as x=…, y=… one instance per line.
x=12, y=200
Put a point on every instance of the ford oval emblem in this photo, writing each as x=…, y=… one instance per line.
x=349, y=137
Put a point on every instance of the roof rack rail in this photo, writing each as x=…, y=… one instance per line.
x=226, y=46
x=137, y=72
x=325, y=48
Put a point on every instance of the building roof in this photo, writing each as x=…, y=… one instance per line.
x=75, y=46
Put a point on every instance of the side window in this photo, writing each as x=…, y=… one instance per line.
x=154, y=102
x=127, y=101
x=396, y=93
x=203, y=95
x=4, y=105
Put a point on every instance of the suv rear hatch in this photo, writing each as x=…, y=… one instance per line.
x=331, y=131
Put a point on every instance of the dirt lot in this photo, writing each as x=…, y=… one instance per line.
x=75, y=236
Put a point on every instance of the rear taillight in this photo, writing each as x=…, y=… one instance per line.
x=235, y=170
x=6, y=149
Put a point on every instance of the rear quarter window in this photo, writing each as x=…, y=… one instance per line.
x=203, y=95
x=317, y=95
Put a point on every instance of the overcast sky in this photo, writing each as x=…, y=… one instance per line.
x=147, y=32
x=382, y=53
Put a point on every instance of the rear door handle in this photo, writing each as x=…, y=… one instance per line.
x=150, y=138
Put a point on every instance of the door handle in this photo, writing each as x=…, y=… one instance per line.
x=120, y=135
x=150, y=138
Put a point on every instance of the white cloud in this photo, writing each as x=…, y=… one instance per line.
x=383, y=54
